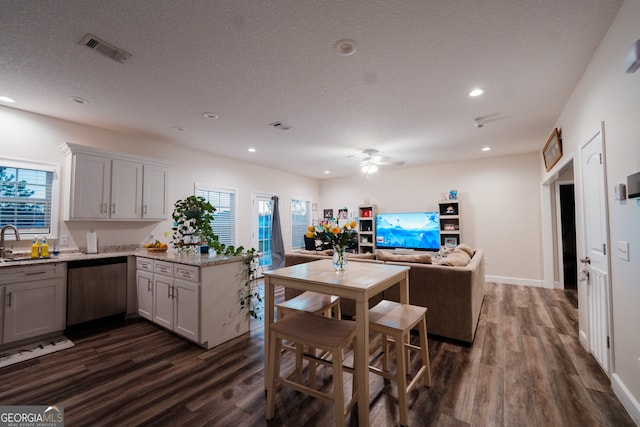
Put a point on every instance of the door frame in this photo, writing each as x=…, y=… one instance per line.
x=558, y=213
x=255, y=223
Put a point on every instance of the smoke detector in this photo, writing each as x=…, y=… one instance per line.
x=104, y=48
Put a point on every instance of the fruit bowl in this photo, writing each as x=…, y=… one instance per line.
x=156, y=249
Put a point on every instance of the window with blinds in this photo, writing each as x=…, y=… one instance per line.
x=224, y=222
x=26, y=195
x=300, y=220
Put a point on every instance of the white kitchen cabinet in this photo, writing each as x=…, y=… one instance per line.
x=198, y=303
x=106, y=185
x=34, y=301
x=155, y=192
x=144, y=282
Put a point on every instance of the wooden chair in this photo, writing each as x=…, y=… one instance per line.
x=395, y=320
x=305, y=329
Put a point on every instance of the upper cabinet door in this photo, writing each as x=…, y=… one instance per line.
x=126, y=190
x=90, y=187
x=155, y=192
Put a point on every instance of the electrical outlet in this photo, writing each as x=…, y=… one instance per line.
x=64, y=241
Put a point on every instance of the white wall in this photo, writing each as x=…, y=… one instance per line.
x=500, y=205
x=606, y=93
x=35, y=137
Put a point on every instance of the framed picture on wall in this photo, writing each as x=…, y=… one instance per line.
x=328, y=213
x=552, y=150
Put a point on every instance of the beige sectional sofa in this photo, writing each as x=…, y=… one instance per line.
x=453, y=295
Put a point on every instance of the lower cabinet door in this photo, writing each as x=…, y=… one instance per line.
x=163, y=301
x=34, y=308
x=144, y=283
x=187, y=309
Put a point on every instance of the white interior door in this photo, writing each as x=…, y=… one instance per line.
x=595, y=255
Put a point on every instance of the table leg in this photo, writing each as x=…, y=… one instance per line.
x=362, y=364
x=269, y=305
x=404, y=289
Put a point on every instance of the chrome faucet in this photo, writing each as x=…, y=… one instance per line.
x=2, y=231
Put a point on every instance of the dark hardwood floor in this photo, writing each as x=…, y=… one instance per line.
x=525, y=368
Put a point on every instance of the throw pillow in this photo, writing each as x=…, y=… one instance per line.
x=456, y=259
x=418, y=258
x=468, y=249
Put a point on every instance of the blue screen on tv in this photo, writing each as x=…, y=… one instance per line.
x=408, y=230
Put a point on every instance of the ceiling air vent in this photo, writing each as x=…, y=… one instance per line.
x=280, y=125
x=106, y=49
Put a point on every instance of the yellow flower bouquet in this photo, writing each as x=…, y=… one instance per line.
x=338, y=237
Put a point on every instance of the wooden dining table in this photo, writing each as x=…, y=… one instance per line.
x=359, y=282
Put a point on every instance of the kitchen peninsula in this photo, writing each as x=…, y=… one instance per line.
x=195, y=296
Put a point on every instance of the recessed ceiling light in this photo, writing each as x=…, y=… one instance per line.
x=212, y=116
x=78, y=100
x=486, y=148
x=327, y=172
x=251, y=150
x=7, y=99
x=476, y=92
x=345, y=47
x=178, y=128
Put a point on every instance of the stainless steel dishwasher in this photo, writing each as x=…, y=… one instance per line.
x=96, y=289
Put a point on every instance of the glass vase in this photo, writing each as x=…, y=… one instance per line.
x=340, y=258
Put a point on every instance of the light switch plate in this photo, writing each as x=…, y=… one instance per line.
x=64, y=241
x=623, y=250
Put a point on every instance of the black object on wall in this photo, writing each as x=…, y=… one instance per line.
x=568, y=225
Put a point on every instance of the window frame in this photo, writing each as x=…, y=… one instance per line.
x=309, y=221
x=218, y=189
x=55, y=194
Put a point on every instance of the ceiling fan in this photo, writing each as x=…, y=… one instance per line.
x=479, y=122
x=371, y=162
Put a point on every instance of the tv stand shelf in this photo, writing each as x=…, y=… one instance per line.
x=367, y=228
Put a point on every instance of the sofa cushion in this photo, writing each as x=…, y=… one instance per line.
x=328, y=252
x=361, y=256
x=418, y=258
x=457, y=258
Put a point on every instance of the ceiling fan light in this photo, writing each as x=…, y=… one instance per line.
x=369, y=169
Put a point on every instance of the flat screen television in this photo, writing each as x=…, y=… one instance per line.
x=408, y=230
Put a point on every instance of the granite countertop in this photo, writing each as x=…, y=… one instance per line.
x=197, y=260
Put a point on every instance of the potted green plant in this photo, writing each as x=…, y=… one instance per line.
x=192, y=218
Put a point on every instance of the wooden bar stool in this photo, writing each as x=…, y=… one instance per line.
x=395, y=320
x=309, y=302
x=331, y=335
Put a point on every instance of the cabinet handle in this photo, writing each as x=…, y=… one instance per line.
x=149, y=286
x=105, y=208
x=145, y=209
x=113, y=208
x=169, y=292
x=33, y=273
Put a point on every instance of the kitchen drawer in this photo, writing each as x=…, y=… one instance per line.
x=163, y=267
x=144, y=264
x=187, y=272
x=25, y=273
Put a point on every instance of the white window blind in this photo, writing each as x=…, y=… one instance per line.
x=224, y=223
x=300, y=220
x=26, y=197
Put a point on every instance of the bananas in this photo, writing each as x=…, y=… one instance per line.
x=155, y=245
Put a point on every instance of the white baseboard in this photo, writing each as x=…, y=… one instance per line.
x=626, y=398
x=517, y=281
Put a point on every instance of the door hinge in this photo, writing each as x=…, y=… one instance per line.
x=608, y=343
x=604, y=249
x=600, y=158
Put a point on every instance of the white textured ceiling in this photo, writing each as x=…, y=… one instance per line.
x=403, y=92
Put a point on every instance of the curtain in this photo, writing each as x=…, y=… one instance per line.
x=277, y=244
